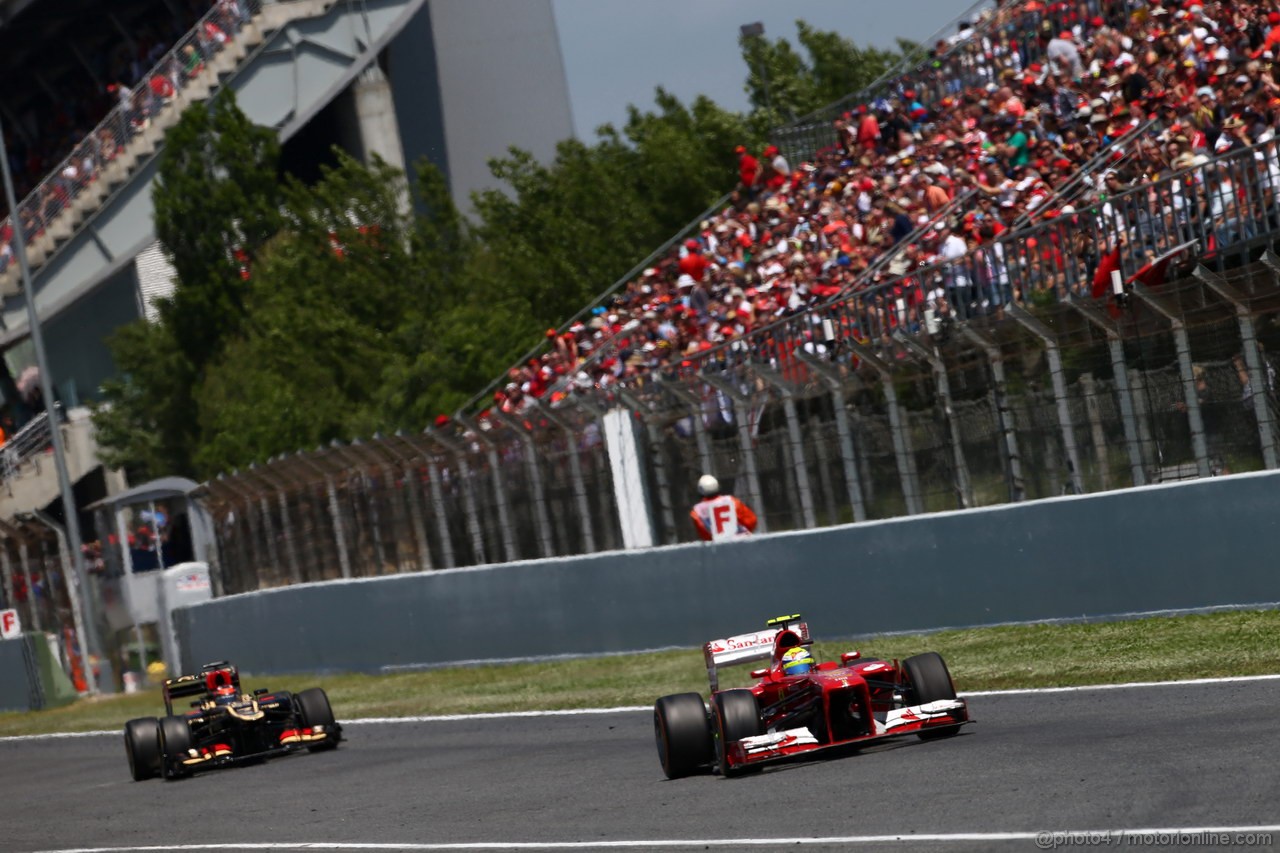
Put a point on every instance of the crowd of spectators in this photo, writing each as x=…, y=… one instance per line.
x=1046, y=109
x=63, y=144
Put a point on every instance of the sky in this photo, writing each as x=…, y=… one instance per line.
x=616, y=52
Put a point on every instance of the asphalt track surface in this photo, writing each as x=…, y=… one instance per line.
x=1195, y=755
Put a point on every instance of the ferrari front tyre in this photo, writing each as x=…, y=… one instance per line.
x=175, y=745
x=142, y=745
x=683, y=734
x=930, y=681
x=314, y=711
x=736, y=715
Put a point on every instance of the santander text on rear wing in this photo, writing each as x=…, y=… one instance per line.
x=754, y=646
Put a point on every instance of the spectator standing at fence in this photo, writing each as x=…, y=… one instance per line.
x=748, y=171
x=719, y=517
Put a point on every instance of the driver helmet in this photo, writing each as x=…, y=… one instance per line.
x=708, y=486
x=797, y=661
x=221, y=683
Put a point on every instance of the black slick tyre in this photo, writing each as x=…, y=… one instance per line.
x=175, y=744
x=142, y=745
x=930, y=681
x=314, y=711
x=735, y=715
x=682, y=731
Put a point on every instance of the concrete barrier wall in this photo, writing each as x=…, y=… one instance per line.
x=1186, y=545
x=15, y=682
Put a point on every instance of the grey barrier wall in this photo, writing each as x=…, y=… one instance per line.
x=1196, y=544
x=16, y=692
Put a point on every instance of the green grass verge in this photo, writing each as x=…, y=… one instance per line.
x=1160, y=649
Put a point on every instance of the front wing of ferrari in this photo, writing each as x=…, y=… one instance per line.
x=775, y=746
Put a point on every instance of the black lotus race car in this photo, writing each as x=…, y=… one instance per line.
x=227, y=726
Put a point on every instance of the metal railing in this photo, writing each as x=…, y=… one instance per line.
x=997, y=377
x=164, y=84
x=33, y=438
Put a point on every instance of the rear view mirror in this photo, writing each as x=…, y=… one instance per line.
x=759, y=673
x=849, y=657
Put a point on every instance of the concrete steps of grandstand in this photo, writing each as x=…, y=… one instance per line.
x=145, y=144
x=34, y=484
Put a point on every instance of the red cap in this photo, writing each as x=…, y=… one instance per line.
x=691, y=244
x=1273, y=18
x=741, y=149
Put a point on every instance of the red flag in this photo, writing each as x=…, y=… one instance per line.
x=1102, y=278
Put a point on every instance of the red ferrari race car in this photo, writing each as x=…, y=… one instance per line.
x=799, y=706
x=227, y=725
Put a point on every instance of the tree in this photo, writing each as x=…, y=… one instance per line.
x=216, y=201
x=303, y=314
x=327, y=298
x=836, y=67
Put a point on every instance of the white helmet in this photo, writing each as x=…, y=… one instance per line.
x=708, y=486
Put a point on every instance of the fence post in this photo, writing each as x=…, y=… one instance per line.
x=575, y=473
x=691, y=400
x=234, y=484
x=7, y=568
x=541, y=520
x=437, y=497
x=1124, y=390
x=898, y=429
x=1005, y=419
x=830, y=376
x=1045, y=334
x=412, y=487
x=742, y=414
x=24, y=559
x=665, y=501
x=500, y=496
x=1258, y=390
x=335, y=514
x=1191, y=398
x=963, y=484
x=803, y=488
x=286, y=532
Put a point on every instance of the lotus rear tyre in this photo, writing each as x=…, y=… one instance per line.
x=176, y=745
x=930, y=681
x=682, y=731
x=142, y=745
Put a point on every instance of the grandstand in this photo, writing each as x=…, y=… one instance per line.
x=1032, y=261
x=101, y=85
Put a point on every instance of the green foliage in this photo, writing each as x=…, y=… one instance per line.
x=217, y=192
x=783, y=85
x=359, y=316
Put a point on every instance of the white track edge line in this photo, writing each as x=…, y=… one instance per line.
x=1043, y=839
x=631, y=709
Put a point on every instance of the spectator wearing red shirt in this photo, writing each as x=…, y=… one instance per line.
x=748, y=170
x=694, y=263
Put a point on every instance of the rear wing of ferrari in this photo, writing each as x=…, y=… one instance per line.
x=758, y=645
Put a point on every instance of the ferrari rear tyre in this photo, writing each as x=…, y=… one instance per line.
x=736, y=715
x=683, y=734
x=930, y=681
x=314, y=710
x=142, y=745
x=175, y=744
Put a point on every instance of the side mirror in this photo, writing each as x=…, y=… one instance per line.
x=260, y=691
x=759, y=673
x=849, y=657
